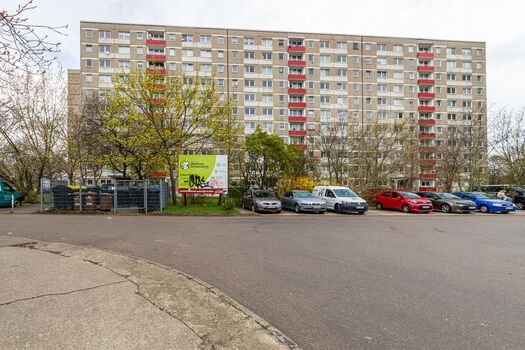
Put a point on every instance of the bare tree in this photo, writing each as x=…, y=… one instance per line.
x=24, y=45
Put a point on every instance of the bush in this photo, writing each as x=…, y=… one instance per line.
x=235, y=195
x=288, y=183
x=229, y=204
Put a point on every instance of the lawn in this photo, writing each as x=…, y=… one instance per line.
x=199, y=206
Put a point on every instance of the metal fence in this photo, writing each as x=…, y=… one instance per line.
x=121, y=195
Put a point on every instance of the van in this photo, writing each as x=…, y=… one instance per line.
x=341, y=199
x=9, y=193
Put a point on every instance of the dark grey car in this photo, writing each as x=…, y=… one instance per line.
x=303, y=201
x=448, y=203
x=261, y=201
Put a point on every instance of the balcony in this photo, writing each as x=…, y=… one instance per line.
x=426, y=81
x=425, y=55
x=160, y=42
x=427, y=161
x=155, y=71
x=296, y=49
x=158, y=86
x=300, y=146
x=296, y=104
x=427, y=176
x=425, y=68
x=297, y=132
x=296, y=77
x=297, y=119
x=297, y=63
x=426, y=95
x=425, y=135
x=427, y=189
x=427, y=149
x=296, y=91
x=426, y=108
x=151, y=57
x=426, y=121
x=157, y=101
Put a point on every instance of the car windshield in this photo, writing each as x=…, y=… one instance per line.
x=344, y=192
x=263, y=194
x=303, y=195
x=447, y=196
x=479, y=195
x=409, y=195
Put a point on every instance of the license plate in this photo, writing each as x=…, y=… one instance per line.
x=472, y=207
x=509, y=208
x=360, y=207
x=425, y=207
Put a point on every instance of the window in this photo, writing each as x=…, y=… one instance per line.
x=105, y=48
x=381, y=74
x=235, y=68
x=172, y=37
x=139, y=50
x=479, y=91
x=233, y=40
x=438, y=50
x=451, y=77
x=324, y=72
x=398, y=61
x=172, y=66
x=124, y=35
x=466, y=52
x=381, y=102
x=220, y=40
x=205, y=39
x=451, y=90
x=105, y=64
x=356, y=87
x=187, y=38
x=187, y=53
x=398, y=88
x=105, y=79
x=220, y=68
x=249, y=97
x=267, y=84
x=382, y=60
x=206, y=53
x=324, y=44
x=398, y=48
x=104, y=34
x=451, y=50
x=324, y=86
x=88, y=78
x=381, y=47
x=355, y=46
x=171, y=52
x=355, y=73
x=267, y=111
x=324, y=58
x=89, y=48
x=205, y=67
x=266, y=42
x=467, y=64
x=249, y=83
x=249, y=111
x=267, y=70
x=368, y=46
x=478, y=52
x=341, y=59
x=451, y=64
x=249, y=55
x=266, y=55
x=341, y=73
x=89, y=63
x=88, y=33
x=478, y=65
x=382, y=88
x=249, y=41
x=324, y=99
x=267, y=98
x=368, y=60
x=341, y=45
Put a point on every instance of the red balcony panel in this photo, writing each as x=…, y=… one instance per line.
x=427, y=176
x=427, y=161
x=296, y=91
x=297, y=63
x=156, y=42
x=426, y=121
x=426, y=95
x=297, y=119
x=296, y=49
x=297, y=132
x=158, y=86
x=296, y=104
x=426, y=108
x=425, y=68
x=426, y=81
x=156, y=57
x=157, y=101
x=427, y=189
x=296, y=77
x=155, y=71
x=425, y=54
x=429, y=149
x=427, y=136
x=300, y=146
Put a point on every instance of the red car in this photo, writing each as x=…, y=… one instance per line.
x=407, y=202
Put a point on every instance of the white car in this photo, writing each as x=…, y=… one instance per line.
x=341, y=199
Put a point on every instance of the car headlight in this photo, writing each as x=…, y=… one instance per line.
x=498, y=205
x=412, y=201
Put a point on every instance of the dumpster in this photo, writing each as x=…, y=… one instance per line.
x=153, y=198
x=62, y=197
x=89, y=201
x=105, y=201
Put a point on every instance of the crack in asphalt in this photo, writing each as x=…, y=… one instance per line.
x=61, y=294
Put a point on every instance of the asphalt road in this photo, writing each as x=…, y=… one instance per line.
x=337, y=282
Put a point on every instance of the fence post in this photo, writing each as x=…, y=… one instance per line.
x=41, y=195
x=80, y=197
x=161, y=185
x=115, y=201
x=146, y=196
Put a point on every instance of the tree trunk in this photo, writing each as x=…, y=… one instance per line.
x=172, y=184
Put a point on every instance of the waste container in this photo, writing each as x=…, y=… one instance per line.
x=62, y=197
x=153, y=198
x=89, y=201
x=105, y=202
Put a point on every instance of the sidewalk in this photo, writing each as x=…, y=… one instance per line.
x=58, y=296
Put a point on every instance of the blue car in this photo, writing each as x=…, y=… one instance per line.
x=486, y=204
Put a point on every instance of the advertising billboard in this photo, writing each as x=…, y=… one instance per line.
x=203, y=174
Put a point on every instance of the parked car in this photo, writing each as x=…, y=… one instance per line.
x=341, y=199
x=485, y=203
x=302, y=201
x=261, y=200
x=407, y=202
x=448, y=203
x=517, y=193
x=9, y=193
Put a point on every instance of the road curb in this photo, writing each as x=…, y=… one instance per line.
x=218, y=320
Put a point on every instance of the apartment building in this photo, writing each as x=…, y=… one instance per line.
x=290, y=83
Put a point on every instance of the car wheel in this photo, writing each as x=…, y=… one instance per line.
x=405, y=208
x=361, y=212
x=445, y=208
x=18, y=203
x=338, y=209
x=379, y=206
x=297, y=209
x=484, y=209
x=278, y=212
x=520, y=205
x=254, y=209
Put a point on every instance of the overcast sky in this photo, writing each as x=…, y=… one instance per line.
x=499, y=23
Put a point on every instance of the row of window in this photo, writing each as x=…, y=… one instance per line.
x=251, y=41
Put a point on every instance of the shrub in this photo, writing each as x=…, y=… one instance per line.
x=288, y=183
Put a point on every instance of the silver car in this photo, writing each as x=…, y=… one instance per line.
x=261, y=200
x=303, y=201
